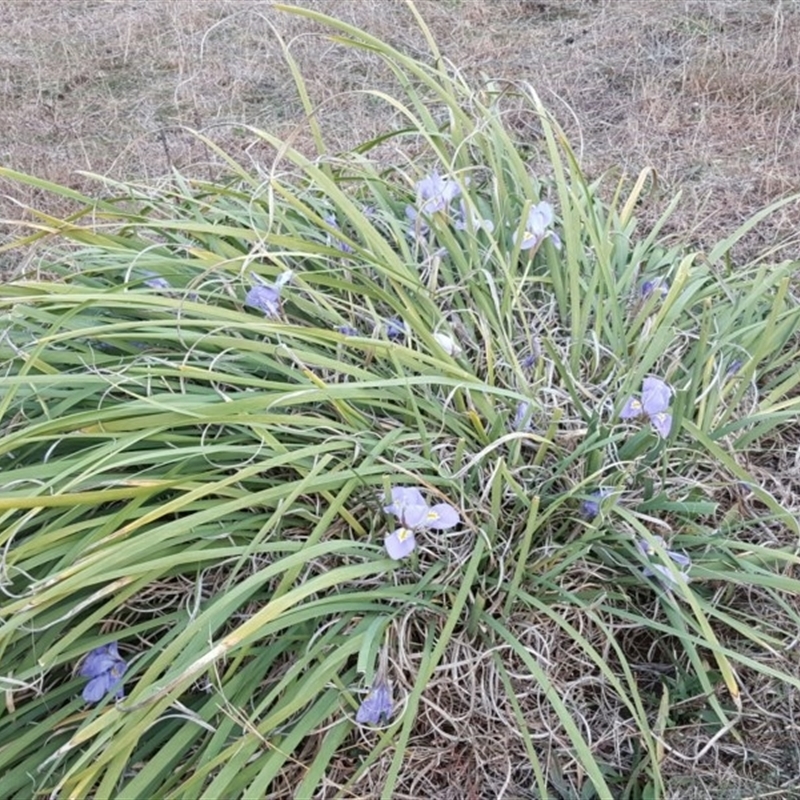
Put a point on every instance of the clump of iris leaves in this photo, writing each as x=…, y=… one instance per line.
x=251, y=429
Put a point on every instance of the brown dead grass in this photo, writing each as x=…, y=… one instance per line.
x=707, y=93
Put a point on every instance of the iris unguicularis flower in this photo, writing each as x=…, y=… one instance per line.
x=590, y=507
x=157, y=282
x=540, y=217
x=654, y=285
x=654, y=404
x=522, y=417
x=104, y=667
x=434, y=195
x=395, y=329
x=266, y=298
x=414, y=514
x=335, y=241
x=377, y=707
x=669, y=579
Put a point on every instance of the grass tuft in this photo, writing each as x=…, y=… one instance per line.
x=208, y=402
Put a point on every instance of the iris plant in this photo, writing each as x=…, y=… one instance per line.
x=104, y=667
x=414, y=514
x=654, y=404
x=435, y=193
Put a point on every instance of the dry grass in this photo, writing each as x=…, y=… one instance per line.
x=705, y=92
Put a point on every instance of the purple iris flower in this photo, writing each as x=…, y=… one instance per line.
x=539, y=218
x=157, y=282
x=266, y=299
x=656, y=396
x=735, y=367
x=661, y=571
x=435, y=193
x=478, y=223
x=590, y=507
x=332, y=240
x=377, y=706
x=655, y=285
x=413, y=513
x=522, y=417
x=348, y=330
x=395, y=329
x=105, y=668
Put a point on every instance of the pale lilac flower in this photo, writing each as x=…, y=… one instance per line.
x=656, y=396
x=539, y=218
x=395, y=329
x=661, y=571
x=419, y=229
x=105, y=668
x=347, y=330
x=435, y=193
x=377, y=706
x=333, y=240
x=400, y=544
x=590, y=507
x=735, y=366
x=654, y=404
x=448, y=344
x=522, y=417
x=656, y=284
x=478, y=223
x=266, y=299
x=413, y=513
x=662, y=423
x=157, y=282
x=403, y=498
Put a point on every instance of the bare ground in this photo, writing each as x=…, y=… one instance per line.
x=707, y=92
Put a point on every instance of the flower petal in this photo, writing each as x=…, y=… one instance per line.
x=400, y=544
x=265, y=299
x=522, y=417
x=404, y=497
x=376, y=707
x=441, y=517
x=447, y=343
x=631, y=409
x=95, y=690
x=662, y=424
x=656, y=396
